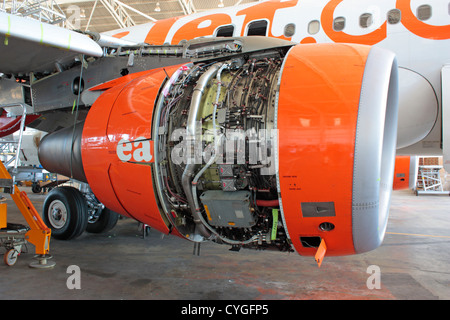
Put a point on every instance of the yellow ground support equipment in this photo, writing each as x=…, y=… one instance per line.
x=13, y=236
x=38, y=233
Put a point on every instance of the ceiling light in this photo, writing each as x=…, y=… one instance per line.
x=157, y=8
x=220, y=5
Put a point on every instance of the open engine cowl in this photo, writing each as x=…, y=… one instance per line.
x=273, y=149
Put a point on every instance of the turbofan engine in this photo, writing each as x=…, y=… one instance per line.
x=283, y=148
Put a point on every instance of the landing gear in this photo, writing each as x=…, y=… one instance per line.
x=105, y=222
x=69, y=212
x=65, y=213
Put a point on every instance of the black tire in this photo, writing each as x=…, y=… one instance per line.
x=36, y=188
x=65, y=213
x=106, y=221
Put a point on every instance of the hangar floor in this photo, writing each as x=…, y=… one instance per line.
x=414, y=263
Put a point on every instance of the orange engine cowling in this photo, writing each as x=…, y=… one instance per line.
x=405, y=174
x=337, y=117
x=277, y=149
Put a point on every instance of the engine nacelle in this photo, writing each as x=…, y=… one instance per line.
x=272, y=149
x=405, y=173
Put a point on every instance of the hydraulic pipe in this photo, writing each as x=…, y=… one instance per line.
x=191, y=129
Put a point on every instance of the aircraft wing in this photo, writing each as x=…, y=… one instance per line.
x=27, y=45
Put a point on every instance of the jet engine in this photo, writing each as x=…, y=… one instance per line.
x=284, y=148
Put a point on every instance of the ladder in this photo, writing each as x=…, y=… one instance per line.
x=38, y=233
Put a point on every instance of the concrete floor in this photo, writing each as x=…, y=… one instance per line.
x=414, y=263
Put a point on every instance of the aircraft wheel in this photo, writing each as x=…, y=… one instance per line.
x=106, y=221
x=65, y=213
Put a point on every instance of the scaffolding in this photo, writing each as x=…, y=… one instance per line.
x=49, y=11
x=429, y=180
x=43, y=10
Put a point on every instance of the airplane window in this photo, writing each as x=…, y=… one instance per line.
x=394, y=16
x=289, y=30
x=225, y=31
x=257, y=28
x=339, y=24
x=424, y=12
x=314, y=27
x=365, y=20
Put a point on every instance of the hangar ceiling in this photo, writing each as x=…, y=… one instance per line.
x=105, y=15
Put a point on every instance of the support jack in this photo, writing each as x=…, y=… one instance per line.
x=42, y=262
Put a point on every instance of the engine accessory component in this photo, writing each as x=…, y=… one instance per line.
x=228, y=209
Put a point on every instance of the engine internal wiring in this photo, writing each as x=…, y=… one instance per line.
x=214, y=143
